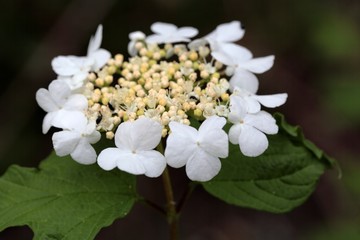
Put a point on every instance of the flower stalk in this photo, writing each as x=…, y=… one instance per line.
x=171, y=213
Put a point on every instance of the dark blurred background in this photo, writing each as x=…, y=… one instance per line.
x=317, y=49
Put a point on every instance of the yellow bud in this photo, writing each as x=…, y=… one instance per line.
x=193, y=56
x=110, y=135
x=109, y=79
x=164, y=132
x=91, y=77
x=140, y=112
x=111, y=70
x=99, y=82
x=225, y=97
x=197, y=112
x=149, y=54
x=125, y=117
x=105, y=100
x=204, y=74
x=162, y=102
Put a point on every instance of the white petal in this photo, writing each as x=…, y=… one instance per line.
x=84, y=153
x=100, y=56
x=216, y=143
x=48, y=121
x=210, y=123
x=153, y=161
x=59, y=91
x=252, y=106
x=252, y=142
x=95, y=41
x=108, y=158
x=154, y=38
x=244, y=79
x=65, y=142
x=180, y=145
x=163, y=28
x=212, y=138
x=131, y=163
x=237, y=53
x=142, y=134
x=237, y=110
x=262, y=121
x=45, y=101
x=234, y=133
x=197, y=43
x=187, y=32
x=76, y=102
x=64, y=66
x=131, y=48
x=223, y=58
x=94, y=137
x=70, y=120
x=229, y=32
x=258, y=65
x=137, y=35
x=273, y=100
x=202, y=166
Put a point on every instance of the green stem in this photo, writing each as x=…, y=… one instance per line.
x=172, y=215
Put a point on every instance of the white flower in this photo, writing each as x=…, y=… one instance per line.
x=133, y=153
x=76, y=138
x=58, y=99
x=225, y=33
x=243, y=65
x=169, y=33
x=134, y=37
x=248, y=129
x=74, y=70
x=251, y=102
x=198, y=150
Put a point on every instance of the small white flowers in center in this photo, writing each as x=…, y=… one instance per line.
x=133, y=153
x=198, y=150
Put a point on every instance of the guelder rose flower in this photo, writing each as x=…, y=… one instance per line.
x=198, y=150
x=243, y=66
x=58, y=99
x=76, y=138
x=169, y=33
x=133, y=153
x=248, y=129
x=74, y=70
x=251, y=102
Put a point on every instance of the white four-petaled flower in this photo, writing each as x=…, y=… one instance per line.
x=134, y=152
x=76, y=137
x=169, y=33
x=199, y=150
x=248, y=129
x=74, y=70
x=58, y=99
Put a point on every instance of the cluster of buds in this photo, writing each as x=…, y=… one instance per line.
x=153, y=97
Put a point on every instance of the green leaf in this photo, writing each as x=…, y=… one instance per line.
x=277, y=181
x=63, y=199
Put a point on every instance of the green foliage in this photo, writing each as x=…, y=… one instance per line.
x=63, y=199
x=277, y=181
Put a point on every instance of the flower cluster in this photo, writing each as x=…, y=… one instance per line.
x=150, y=101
